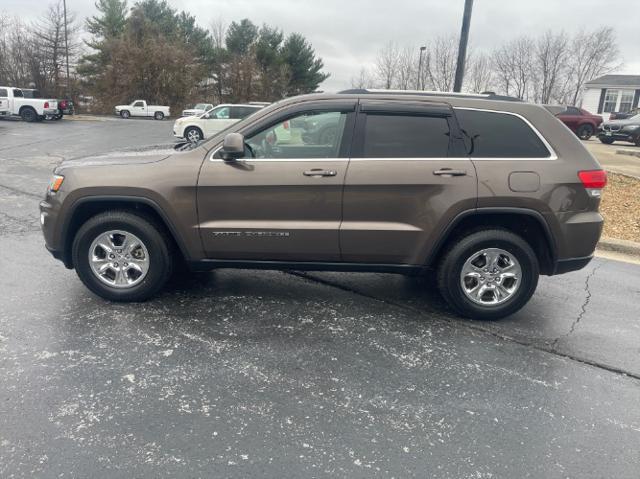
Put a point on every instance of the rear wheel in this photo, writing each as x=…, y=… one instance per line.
x=193, y=134
x=489, y=274
x=158, y=115
x=585, y=132
x=606, y=141
x=121, y=256
x=28, y=114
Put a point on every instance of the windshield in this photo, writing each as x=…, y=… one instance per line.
x=200, y=106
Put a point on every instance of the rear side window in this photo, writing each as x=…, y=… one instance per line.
x=499, y=135
x=4, y=93
x=240, y=112
x=405, y=136
x=18, y=93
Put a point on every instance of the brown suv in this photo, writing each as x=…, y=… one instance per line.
x=489, y=192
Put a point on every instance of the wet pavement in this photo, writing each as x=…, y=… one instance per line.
x=272, y=374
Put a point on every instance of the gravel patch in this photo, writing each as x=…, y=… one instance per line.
x=621, y=208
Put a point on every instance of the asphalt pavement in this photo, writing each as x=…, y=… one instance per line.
x=286, y=374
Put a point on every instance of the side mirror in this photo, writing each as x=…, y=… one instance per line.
x=232, y=147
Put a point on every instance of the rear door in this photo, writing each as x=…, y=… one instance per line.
x=407, y=180
x=283, y=200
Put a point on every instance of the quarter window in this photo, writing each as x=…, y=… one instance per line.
x=499, y=135
x=405, y=136
x=305, y=136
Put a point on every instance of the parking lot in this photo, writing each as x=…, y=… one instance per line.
x=271, y=374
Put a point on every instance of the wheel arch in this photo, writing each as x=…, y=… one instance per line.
x=85, y=208
x=529, y=224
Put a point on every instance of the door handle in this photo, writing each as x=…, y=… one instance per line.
x=320, y=172
x=450, y=172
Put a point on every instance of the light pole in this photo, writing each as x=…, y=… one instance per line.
x=66, y=43
x=462, y=48
x=419, y=83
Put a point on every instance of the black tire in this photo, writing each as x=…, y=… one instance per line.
x=148, y=231
x=637, y=140
x=125, y=114
x=585, y=132
x=449, y=273
x=192, y=132
x=28, y=114
x=158, y=115
x=606, y=141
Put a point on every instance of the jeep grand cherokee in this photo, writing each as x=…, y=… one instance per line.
x=488, y=192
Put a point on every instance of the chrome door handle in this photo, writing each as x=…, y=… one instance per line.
x=320, y=172
x=450, y=172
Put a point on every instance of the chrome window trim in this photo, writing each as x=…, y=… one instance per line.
x=552, y=152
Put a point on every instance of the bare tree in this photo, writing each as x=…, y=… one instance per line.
x=363, y=80
x=387, y=64
x=407, y=68
x=440, y=62
x=513, y=65
x=592, y=54
x=480, y=75
x=549, y=62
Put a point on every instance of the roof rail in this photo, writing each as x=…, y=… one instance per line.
x=479, y=96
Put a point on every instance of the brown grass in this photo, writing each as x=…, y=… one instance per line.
x=621, y=208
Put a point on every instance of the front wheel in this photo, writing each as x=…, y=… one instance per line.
x=125, y=114
x=158, y=115
x=489, y=274
x=606, y=141
x=585, y=132
x=193, y=134
x=121, y=256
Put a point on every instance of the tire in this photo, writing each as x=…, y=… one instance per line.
x=28, y=114
x=193, y=134
x=128, y=286
x=125, y=114
x=637, y=140
x=585, y=131
x=451, y=278
x=158, y=115
x=606, y=141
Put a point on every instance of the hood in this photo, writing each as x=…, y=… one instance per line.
x=622, y=123
x=138, y=155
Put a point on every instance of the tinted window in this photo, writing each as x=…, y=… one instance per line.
x=220, y=113
x=405, y=136
x=240, y=112
x=138, y=103
x=572, y=111
x=499, y=135
x=4, y=93
x=307, y=135
x=18, y=93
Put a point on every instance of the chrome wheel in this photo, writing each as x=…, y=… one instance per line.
x=119, y=259
x=193, y=135
x=490, y=276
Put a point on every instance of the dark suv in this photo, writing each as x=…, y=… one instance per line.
x=490, y=193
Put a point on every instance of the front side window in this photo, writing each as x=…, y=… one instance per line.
x=220, y=113
x=405, y=136
x=610, y=101
x=304, y=136
x=490, y=134
x=571, y=110
x=138, y=103
x=626, y=100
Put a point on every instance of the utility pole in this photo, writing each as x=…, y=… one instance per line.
x=66, y=42
x=462, y=48
x=420, y=83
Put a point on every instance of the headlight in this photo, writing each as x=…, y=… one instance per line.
x=56, y=183
x=631, y=127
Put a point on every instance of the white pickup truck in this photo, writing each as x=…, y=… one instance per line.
x=140, y=108
x=30, y=109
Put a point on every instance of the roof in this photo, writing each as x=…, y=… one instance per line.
x=480, y=96
x=616, y=80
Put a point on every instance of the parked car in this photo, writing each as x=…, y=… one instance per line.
x=404, y=185
x=198, y=109
x=29, y=109
x=31, y=93
x=141, y=108
x=65, y=107
x=620, y=115
x=621, y=130
x=196, y=128
x=580, y=121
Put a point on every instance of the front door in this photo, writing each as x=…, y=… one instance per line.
x=283, y=200
x=407, y=179
x=138, y=109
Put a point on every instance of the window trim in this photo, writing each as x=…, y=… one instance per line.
x=552, y=153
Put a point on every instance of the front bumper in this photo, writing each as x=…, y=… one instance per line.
x=616, y=136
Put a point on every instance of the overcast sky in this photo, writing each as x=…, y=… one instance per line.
x=347, y=33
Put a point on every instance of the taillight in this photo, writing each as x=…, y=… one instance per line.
x=46, y=104
x=593, y=181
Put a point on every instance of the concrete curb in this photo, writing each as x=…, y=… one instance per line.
x=628, y=152
x=84, y=117
x=619, y=246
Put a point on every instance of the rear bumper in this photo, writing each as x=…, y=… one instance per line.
x=571, y=264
